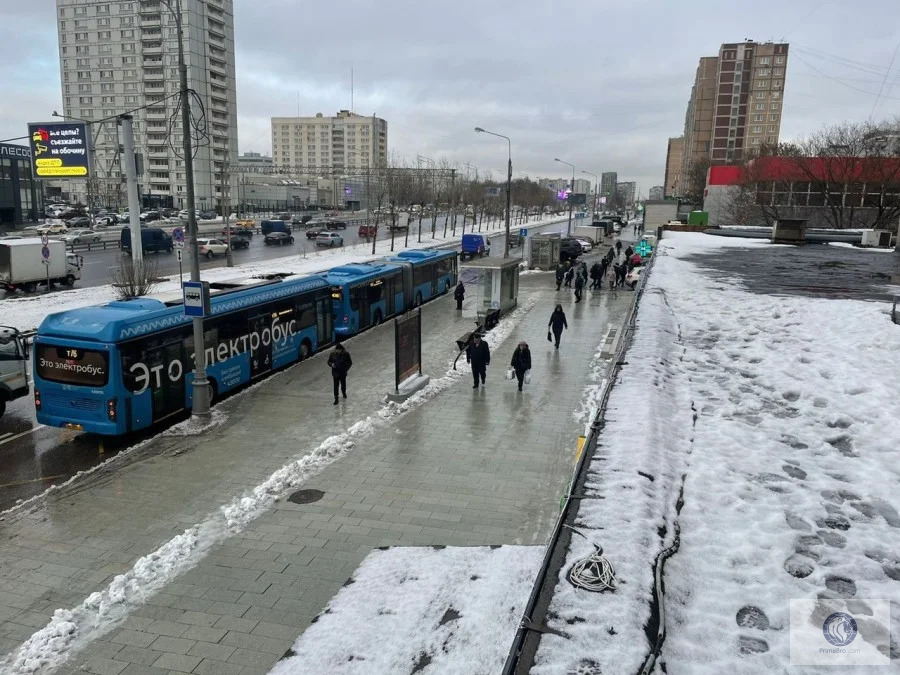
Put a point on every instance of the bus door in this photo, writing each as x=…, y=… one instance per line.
x=359, y=303
x=324, y=320
x=260, y=354
x=166, y=382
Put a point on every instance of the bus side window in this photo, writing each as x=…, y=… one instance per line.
x=354, y=298
x=129, y=379
x=375, y=293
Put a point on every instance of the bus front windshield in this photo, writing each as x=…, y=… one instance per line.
x=72, y=365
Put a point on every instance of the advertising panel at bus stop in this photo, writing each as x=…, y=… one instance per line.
x=59, y=149
x=408, y=347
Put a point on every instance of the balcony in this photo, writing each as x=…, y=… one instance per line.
x=151, y=20
x=159, y=152
x=149, y=7
x=155, y=114
x=154, y=75
x=149, y=48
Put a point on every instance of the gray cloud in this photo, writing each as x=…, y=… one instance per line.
x=602, y=85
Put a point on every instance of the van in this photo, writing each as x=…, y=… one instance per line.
x=569, y=249
x=473, y=245
x=268, y=226
x=152, y=239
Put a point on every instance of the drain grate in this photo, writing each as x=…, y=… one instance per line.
x=306, y=496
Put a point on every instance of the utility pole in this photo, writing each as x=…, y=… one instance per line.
x=226, y=207
x=200, y=392
x=134, y=216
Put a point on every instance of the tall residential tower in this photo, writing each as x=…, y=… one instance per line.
x=118, y=56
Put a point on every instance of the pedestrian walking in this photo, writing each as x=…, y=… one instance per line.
x=614, y=276
x=521, y=362
x=557, y=323
x=595, y=276
x=628, y=253
x=459, y=295
x=623, y=270
x=583, y=271
x=560, y=275
x=340, y=362
x=570, y=274
x=479, y=355
x=618, y=248
x=579, y=286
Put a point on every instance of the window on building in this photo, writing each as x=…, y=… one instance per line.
x=106, y=74
x=102, y=22
x=760, y=106
x=127, y=34
x=773, y=106
x=107, y=87
x=778, y=71
x=764, y=61
x=79, y=50
x=129, y=60
x=104, y=35
x=755, y=141
x=84, y=88
x=85, y=100
x=762, y=84
x=776, y=84
x=762, y=72
x=758, y=118
x=779, y=60
x=62, y=11
x=126, y=21
x=776, y=94
x=771, y=140
x=81, y=37
x=773, y=118
x=773, y=129
x=756, y=129
x=127, y=47
x=84, y=75
x=760, y=94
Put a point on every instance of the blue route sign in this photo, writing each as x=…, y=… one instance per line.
x=523, y=232
x=196, y=298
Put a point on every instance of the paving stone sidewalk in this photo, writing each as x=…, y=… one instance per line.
x=469, y=467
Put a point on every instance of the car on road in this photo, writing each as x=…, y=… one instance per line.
x=150, y=216
x=634, y=276
x=335, y=225
x=79, y=221
x=81, y=237
x=240, y=242
x=52, y=228
x=237, y=232
x=586, y=246
x=211, y=247
x=301, y=220
x=329, y=239
x=207, y=215
x=312, y=234
x=245, y=224
x=107, y=219
x=368, y=230
x=473, y=245
x=278, y=239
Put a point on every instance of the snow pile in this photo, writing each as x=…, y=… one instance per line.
x=781, y=413
x=196, y=426
x=434, y=610
x=70, y=630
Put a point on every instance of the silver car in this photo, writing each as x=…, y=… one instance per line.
x=329, y=239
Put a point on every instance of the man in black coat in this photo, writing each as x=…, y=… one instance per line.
x=479, y=355
x=459, y=294
x=560, y=273
x=339, y=361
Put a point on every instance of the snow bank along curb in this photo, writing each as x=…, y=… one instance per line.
x=70, y=630
x=781, y=415
x=451, y=609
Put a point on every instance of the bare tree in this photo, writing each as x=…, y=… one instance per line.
x=134, y=280
x=695, y=181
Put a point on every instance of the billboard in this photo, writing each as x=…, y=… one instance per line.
x=59, y=149
x=577, y=199
x=407, y=347
x=492, y=191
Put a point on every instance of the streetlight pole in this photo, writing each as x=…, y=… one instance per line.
x=508, y=185
x=200, y=391
x=596, y=182
x=571, y=192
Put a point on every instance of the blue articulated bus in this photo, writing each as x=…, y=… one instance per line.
x=365, y=294
x=427, y=274
x=125, y=365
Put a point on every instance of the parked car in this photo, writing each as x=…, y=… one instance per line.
x=207, y=215
x=312, y=234
x=81, y=237
x=107, y=219
x=585, y=244
x=211, y=247
x=150, y=216
x=240, y=242
x=329, y=239
x=301, y=220
x=283, y=216
x=368, y=230
x=335, y=225
x=278, y=238
x=569, y=249
x=52, y=228
x=473, y=245
x=237, y=232
x=634, y=276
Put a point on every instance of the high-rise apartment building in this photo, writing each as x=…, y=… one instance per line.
x=626, y=192
x=735, y=105
x=343, y=143
x=672, y=180
x=608, y=183
x=657, y=192
x=122, y=55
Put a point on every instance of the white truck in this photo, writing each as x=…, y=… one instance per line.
x=13, y=366
x=23, y=267
x=659, y=212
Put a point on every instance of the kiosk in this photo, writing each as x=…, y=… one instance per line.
x=498, y=285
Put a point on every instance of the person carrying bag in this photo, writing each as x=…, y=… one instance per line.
x=521, y=363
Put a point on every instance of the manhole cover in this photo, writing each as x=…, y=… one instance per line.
x=306, y=496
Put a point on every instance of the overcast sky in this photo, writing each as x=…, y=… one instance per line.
x=600, y=84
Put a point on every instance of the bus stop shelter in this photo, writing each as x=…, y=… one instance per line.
x=497, y=284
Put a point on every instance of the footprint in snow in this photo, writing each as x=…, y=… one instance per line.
x=832, y=538
x=856, y=391
x=752, y=617
x=799, y=566
x=843, y=586
x=840, y=423
x=795, y=522
x=585, y=667
x=750, y=645
x=794, y=471
x=820, y=402
x=791, y=395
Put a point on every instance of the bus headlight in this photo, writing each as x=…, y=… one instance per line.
x=37, y=400
x=111, y=409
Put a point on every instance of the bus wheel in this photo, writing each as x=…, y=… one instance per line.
x=30, y=287
x=418, y=300
x=70, y=280
x=213, y=392
x=2, y=407
x=305, y=350
x=378, y=318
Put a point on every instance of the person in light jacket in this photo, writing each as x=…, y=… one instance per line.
x=557, y=323
x=521, y=362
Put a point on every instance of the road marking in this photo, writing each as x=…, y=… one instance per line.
x=6, y=435
x=33, y=480
x=4, y=440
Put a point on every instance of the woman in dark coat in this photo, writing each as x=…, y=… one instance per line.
x=521, y=362
x=459, y=294
x=557, y=323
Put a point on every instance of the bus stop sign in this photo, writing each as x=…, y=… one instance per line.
x=196, y=298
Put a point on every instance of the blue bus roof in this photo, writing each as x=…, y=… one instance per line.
x=358, y=272
x=126, y=319
x=423, y=256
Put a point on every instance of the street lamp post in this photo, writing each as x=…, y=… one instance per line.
x=596, y=187
x=508, y=185
x=571, y=192
x=200, y=390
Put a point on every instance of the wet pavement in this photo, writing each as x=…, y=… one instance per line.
x=814, y=270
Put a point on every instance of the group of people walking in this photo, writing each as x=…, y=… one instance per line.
x=613, y=265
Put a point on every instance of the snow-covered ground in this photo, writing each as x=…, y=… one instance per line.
x=27, y=312
x=449, y=610
x=777, y=418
